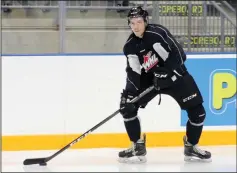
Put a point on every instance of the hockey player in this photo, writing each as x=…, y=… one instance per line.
x=155, y=58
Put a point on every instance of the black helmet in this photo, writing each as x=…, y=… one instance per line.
x=137, y=12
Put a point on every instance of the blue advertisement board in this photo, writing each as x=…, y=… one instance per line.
x=216, y=78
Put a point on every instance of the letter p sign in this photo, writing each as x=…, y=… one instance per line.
x=222, y=90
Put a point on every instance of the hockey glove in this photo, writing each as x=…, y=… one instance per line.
x=162, y=78
x=125, y=106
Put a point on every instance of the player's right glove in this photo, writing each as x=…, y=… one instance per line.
x=162, y=78
x=125, y=106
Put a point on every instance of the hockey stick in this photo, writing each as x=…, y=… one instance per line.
x=43, y=161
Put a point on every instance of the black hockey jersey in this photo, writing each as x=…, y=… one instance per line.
x=157, y=48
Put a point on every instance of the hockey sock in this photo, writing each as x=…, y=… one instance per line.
x=193, y=133
x=133, y=128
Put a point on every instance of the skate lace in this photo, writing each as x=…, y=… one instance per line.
x=130, y=149
x=198, y=150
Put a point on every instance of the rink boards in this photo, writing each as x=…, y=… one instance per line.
x=47, y=101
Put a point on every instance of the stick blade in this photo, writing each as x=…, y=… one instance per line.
x=34, y=161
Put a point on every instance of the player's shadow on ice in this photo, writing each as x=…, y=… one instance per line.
x=123, y=167
x=36, y=168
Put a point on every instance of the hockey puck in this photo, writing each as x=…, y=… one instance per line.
x=43, y=164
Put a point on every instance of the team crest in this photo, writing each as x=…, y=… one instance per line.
x=149, y=61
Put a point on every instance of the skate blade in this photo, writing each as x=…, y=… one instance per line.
x=196, y=159
x=133, y=160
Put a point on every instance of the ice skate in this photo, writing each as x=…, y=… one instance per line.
x=135, y=154
x=194, y=153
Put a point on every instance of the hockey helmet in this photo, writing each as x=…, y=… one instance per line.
x=137, y=12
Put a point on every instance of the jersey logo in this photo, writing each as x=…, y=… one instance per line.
x=149, y=61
